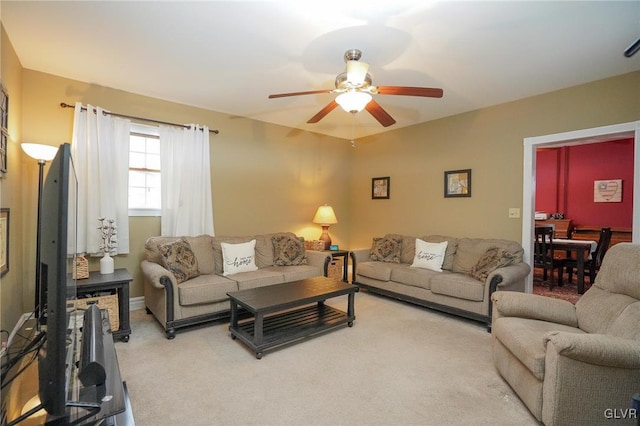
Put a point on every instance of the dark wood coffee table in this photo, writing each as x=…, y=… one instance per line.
x=283, y=313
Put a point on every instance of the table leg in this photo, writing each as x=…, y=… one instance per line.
x=351, y=308
x=580, y=267
x=257, y=329
x=233, y=322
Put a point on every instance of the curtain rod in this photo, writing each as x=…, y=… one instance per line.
x=65, y=105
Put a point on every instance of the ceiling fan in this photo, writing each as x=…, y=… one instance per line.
x=355, y=90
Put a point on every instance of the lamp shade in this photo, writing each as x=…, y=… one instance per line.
x=325, y=215
x=39, y=151
x=353, y=101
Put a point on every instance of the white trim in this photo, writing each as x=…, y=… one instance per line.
x=577, y=137
x=144, y=212
x=136, y=303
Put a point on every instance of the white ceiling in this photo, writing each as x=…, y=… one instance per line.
x=228, y=56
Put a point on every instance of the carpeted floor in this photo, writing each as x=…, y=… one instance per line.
x=398, y=365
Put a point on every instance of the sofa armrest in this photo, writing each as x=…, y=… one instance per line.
x=317, y=258
x=596, y=349
x=533, y=306
x=358, y=255
x=157, y=275
x=511, y=277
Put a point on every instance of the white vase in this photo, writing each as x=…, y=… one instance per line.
x=106, y=264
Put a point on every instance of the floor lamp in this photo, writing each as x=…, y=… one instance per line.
x=41, y=153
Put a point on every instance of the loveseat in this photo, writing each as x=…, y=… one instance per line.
x=575, y=364
x=186, y=279
x=454, y=275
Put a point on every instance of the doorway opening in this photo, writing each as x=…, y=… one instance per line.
x=578, y=137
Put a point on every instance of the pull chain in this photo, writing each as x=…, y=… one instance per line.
x=353, y=129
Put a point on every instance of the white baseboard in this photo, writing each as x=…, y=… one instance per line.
x=136, y=303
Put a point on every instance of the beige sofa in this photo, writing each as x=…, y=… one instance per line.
x=579, y=364
x=189, y=295
x=471, y=270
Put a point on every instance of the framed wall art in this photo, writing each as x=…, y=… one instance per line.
x=4, y=131
x=607, y=191
x=4, y=241
x=457, y=183
x=380, y=188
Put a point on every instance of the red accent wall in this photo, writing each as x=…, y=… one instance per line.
x=565, y=176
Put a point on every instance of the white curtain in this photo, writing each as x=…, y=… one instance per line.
x=186, y=181
x=100, y=152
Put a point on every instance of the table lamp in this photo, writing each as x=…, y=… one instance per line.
x=325, y=216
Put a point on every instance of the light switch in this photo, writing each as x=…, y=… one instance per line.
x=514, y=213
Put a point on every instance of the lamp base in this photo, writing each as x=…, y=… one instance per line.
x=325, y=237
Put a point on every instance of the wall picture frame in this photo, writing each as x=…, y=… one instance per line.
x=380, y=188
x=457, y=183
x=4, y=241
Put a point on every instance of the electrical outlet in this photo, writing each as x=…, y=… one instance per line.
x=514, y=213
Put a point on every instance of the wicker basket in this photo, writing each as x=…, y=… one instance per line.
x=80, y=268
x=108, y=302
x=316, y=245
x=335, y=268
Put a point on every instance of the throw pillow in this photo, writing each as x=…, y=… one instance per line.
x=387, y=249
x=238, y=258
x=491, y=260
x=288, y=250
x=179, y=259
x=429, y=255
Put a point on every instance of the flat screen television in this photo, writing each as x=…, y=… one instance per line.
x=57, y=254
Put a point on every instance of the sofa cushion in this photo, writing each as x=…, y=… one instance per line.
x=378, y=270
x=260, y=278
x=297, y=272
x=386, y=249
x=217, y=249
x=239, y=257
x=461, y=286
x=415, y=277
x=179, y=259
x=288, y=250
x=429, y=255
x=205, y=289
x=470, y=250
x=491, y=260
x=202, y=247
x=452, y=247
x=626, y=325
x=525, y=339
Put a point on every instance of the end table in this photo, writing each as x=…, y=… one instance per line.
x=118, y=281
x=345, y=262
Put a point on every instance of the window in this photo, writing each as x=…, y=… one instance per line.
x=144, y=171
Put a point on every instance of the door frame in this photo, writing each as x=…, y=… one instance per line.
x=576, y=137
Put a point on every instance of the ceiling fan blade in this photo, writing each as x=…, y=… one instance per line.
x=323, y=112
x=379, y=114
x=311, y=92
x=428, y=92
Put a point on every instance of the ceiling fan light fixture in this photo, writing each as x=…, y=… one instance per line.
x=356, y=72
x=353, y=101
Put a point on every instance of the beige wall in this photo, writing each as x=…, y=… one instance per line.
x=265, y=178
x=11, y=197
x=488, y=141
x=269, y=178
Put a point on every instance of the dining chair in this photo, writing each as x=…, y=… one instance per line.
x=592, y=264
x=543, y=252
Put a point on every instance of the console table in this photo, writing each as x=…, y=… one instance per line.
x=118, y=282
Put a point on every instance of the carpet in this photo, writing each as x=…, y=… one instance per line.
x=398, y=365
x=568, y=291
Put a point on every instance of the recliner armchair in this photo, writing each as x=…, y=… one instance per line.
x=575, y=364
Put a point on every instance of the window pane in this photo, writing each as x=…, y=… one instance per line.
x=153, y=180
x=137, y=198
x=137, y=179
x=153, y=161
x=137, y=160
x=137, y=144
x=153, y=146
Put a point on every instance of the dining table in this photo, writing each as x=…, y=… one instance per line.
x=582, y=250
